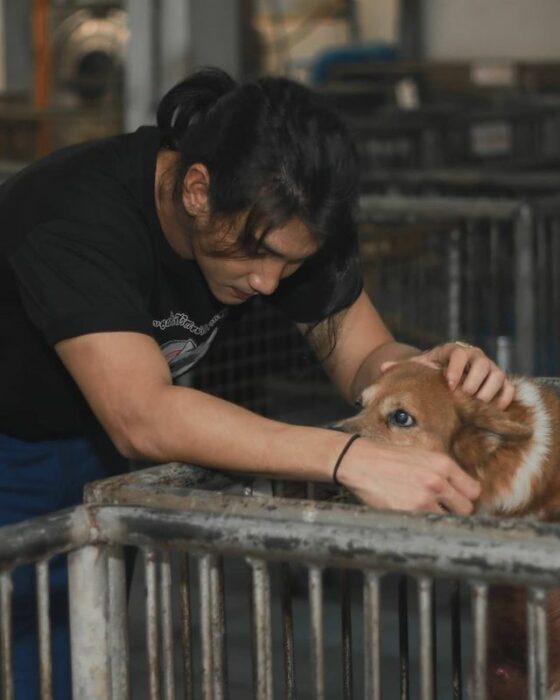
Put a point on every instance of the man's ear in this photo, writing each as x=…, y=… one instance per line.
x=196, y=186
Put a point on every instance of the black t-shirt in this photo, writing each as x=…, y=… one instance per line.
x=82, y=251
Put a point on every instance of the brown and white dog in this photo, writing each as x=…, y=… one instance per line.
x=514, y=454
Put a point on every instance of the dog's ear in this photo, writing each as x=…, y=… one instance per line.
x=483, y=429
x=489, y=419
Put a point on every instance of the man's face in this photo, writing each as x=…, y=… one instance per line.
x=233, y=280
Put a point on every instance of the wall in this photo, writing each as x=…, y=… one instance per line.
x=2, y=48
x=147, y=75
x=216, y=34
x=19, y=71
x=520, y=29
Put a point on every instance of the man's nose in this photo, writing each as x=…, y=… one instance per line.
x=265, y=280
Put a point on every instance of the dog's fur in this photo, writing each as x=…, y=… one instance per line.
x=514, y=454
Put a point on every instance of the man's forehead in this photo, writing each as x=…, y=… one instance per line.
x=293, y=241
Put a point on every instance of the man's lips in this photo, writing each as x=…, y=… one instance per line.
x=241, y=295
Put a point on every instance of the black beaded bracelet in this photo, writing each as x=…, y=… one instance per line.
x=344, y=450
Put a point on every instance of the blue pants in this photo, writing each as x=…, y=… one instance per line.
x=37, y=478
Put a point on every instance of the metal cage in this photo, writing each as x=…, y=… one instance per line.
x=253, y=588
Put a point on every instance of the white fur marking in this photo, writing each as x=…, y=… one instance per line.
x=520, y=491
x=368, y=393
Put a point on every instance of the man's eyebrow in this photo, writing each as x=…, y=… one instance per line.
x=263, y=245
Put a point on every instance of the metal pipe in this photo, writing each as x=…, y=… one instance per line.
x=6, y=587
x=186, y=626
x=524, y=348
x=167, y=626
x=456, y=646
x=480, y=639
x=538, y=643
x=426, y=639
x=372, y=207
x=288, y=631
x=262, y=630
x=29, y=541
x=334, y=535
x=44, y=629
x=89, y=623
x=204, y=565
x=542, y=296
x=317, y=632
x=118, y=628
x=152, y=623
x=454, y=293
x=404, y=660
x=217, y=614
x=372, y=636
x=346, y=624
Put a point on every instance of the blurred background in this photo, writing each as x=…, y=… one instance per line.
x=72, y=69
x=454, y=106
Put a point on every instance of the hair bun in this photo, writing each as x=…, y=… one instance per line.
x=187, y=101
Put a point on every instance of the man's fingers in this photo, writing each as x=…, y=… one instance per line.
x=426, y=359
x=505, y=397
x=408, y=478
x=454, y=502
x=459, y=493
x=458, y=363
x=495, y=383
x=450, y=486
x=464, y=484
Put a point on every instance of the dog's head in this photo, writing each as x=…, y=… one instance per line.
x=411, y=405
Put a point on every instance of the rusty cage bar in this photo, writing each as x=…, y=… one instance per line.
x=486, y=269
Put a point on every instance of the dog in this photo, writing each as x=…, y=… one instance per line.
x=515, y=456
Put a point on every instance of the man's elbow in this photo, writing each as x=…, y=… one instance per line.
x=126, y=444
x=131, y=436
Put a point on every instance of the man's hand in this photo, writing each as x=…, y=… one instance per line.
x=467, y=366
x=406, y=478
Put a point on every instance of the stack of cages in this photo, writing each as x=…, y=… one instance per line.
x=406, y=115
x=481, y=269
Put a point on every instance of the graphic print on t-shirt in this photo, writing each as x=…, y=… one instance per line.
x=183, y=354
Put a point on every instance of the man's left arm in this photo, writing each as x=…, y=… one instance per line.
x=365, y=347
x=363, y=344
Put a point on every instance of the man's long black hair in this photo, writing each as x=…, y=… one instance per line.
x=274, y=151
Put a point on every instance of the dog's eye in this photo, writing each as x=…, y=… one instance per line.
x=401, y=418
